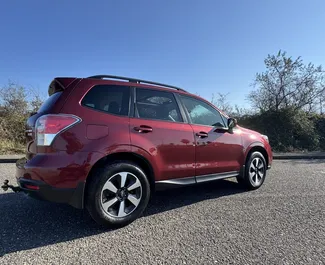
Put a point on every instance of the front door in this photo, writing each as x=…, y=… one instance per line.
x=217, y=151
x=158, y=129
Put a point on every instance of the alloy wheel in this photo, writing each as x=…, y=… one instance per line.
x=121, y=194
x=256, y=171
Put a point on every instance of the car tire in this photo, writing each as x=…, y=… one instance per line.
x=255, y=172
x=117, y=194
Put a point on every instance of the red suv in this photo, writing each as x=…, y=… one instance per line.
x=106, y=143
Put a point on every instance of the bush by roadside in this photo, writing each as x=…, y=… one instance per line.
x=16, y=103
x=288, y=129
x=8, y=147
x=12, y=137
x=319, y=122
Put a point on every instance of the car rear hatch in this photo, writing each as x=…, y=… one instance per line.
x=58, y=91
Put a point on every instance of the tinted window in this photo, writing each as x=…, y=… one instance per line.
x=50, y=102
x=202, y=113
x=110, y=99
x=157, y=105
x=225, y=120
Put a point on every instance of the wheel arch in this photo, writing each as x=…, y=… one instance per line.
x=143, y=163
x=257, y=147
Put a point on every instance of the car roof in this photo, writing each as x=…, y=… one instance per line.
x=136, y=81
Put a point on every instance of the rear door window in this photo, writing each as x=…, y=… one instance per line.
x=157, y=105
x=111, y=99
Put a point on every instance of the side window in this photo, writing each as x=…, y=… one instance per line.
x=108, y=98
x=202, y=113
x=156, y=105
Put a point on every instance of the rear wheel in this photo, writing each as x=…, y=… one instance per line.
x=118, y=194
x=255, y=171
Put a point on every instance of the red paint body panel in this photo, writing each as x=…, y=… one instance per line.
x=170, y=145
x=59, y=170
x=252, y=139
x=95, y=132
x=219, y=152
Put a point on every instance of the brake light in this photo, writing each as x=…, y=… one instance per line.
x=49, y=126
x=31, y=187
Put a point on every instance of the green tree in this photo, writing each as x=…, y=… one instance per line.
x=288, y=83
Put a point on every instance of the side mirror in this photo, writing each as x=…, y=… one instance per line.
x=232, y=123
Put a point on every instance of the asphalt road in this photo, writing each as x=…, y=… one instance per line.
x=217, y=223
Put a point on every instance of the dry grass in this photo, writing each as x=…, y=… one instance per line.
x=8, y=147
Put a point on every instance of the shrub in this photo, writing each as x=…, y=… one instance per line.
x=16, y=102
x=12, y=128
x=319, y=123
x=287, y=129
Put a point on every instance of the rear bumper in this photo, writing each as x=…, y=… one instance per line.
x=48, y=178
x=42, y=191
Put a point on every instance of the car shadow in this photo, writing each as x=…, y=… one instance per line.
x=27, y=223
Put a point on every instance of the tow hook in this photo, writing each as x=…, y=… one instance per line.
x=6, y=186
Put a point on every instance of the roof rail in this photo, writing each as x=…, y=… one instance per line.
x=135, y=80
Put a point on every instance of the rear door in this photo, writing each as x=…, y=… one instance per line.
x=158, y=129
x=217, y=150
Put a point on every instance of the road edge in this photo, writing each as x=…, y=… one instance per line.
x=295, y=157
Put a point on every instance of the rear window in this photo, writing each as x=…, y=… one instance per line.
x=50, y=102
x=108, y=98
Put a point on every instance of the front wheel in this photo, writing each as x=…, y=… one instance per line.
x=255, y=171
x=118, y=194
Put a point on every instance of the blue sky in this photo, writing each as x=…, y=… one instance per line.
x=203, y=46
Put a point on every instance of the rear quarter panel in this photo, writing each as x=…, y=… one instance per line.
x=98, y=131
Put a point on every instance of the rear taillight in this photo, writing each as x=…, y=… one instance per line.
x=31, y=187
x=47, y=127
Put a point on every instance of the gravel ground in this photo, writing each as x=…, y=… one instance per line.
x=217, y=223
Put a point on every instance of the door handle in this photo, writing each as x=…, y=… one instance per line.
x=143, y=129
x=202, y=134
